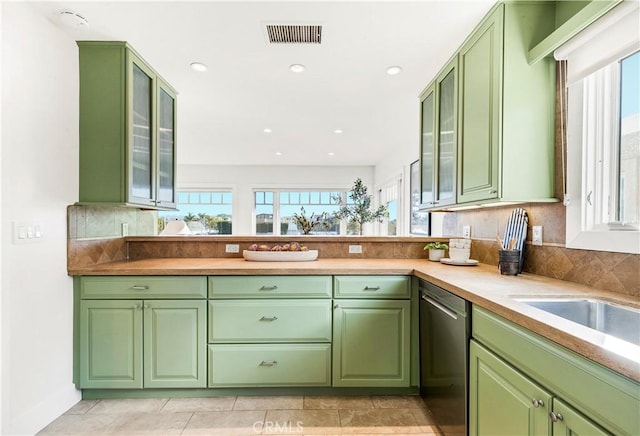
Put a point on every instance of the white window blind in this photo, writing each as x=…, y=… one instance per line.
x=611, y=37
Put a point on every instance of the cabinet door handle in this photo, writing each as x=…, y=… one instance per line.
x=140, y=287
x=336, y=306
x=138, y=306
x=268, y=318
x=265, y=363
x=555, y=417
x=537, y=403
x=371, y=288
x=493, y=192
x=268, y=288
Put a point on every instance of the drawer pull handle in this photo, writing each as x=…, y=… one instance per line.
x=268, y=288
x=268, y=318
x=537, y=403
x=265, y=363
x=140, y=287
x=371, y=288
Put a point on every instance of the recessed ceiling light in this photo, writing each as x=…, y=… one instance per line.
x=392, y=71
x=297, y=68
x=337, y=131
x=331, y=153
x=278, y=153
x=197, y=66
x=72, y=19
x=267, y=130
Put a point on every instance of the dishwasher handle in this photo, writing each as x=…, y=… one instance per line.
x=444, y=309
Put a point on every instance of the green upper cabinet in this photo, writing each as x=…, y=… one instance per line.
x=506, y=108
x=438, y=142
x=127, y=129
x=427, y=145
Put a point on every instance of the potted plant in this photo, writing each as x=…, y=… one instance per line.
x=306, y=225
x=359, y=210
x=436, y=250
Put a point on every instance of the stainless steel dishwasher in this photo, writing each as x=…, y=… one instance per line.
x=444, y=356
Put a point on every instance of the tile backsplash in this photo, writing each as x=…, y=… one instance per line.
x=94, y=233
x=96, y=222
x=615, y=272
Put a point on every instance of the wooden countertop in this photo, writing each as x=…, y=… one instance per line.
x=482, y=285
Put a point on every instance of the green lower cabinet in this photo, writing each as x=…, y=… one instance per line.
x=371, y=343
x=111, y=344
x=503, y=401
x=238, y=321
x=262, y=365
x=115, y=354
x=587, y=397
x=175, y=344
x=567, y=421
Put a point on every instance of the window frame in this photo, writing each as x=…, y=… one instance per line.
x=208, y=189
x=608, y=40
x=583, y=229
x=277, y=219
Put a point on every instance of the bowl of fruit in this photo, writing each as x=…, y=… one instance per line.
x=289, y=252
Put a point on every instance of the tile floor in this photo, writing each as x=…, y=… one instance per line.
x=247, y=416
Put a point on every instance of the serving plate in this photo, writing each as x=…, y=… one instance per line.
x=468, y=262
x=280, y=256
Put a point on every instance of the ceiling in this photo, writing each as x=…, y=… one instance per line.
x=248, y=87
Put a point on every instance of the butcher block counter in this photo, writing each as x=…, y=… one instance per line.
x=482, y=285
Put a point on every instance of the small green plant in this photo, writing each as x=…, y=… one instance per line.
x=436, y=246
x=307, y=225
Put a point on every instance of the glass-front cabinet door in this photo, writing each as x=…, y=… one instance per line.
x=141, y=131
x=166, y=146
x=438, y=139
x=446, y=144
x=427, y=147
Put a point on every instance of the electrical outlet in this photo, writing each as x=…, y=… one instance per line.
x=232, y=248
x=466, y=231
x=125, y=229
x=355, y=249
x=536, y=237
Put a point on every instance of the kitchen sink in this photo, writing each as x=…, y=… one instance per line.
x=612, y=319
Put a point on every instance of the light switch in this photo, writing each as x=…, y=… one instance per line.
x=27, y=232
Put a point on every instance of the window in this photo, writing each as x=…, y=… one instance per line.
x=274, y=211
x=603, y=133
x=388, y=196
x=205, y=212
x=419, y=222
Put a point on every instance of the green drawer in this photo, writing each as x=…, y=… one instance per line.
x=269, y=365
x=372, y=286
x=269, y=321
x=270, y=286
x=107, y=287
x=605, y=396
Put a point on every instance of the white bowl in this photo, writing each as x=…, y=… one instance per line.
x=459, y=253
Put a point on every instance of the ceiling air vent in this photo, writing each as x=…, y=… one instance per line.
x=294, y=34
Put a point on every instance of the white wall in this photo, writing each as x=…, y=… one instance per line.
x=39, y=179
x=246, y=178
x=397, y=163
